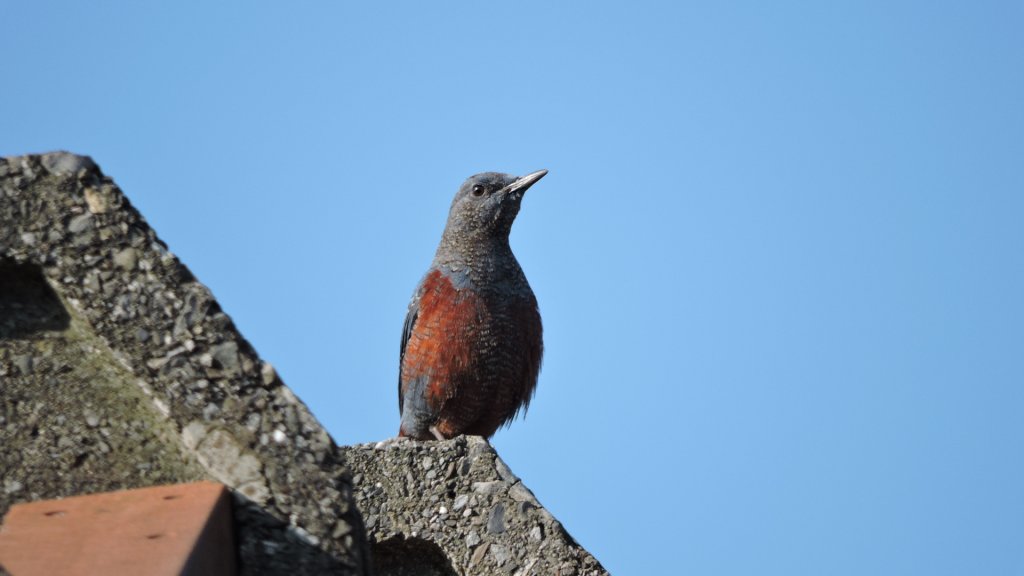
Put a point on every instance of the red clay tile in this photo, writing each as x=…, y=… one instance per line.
x=181, y=529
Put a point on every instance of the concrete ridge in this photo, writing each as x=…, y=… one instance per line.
x=120, y=370
x=128, y=374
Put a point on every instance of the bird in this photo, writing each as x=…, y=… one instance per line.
x=472, y=340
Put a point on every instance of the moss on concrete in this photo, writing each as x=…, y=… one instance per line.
x=74, y=420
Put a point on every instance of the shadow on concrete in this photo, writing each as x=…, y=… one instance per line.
x=410, y=557
x=28, y=305
x=268, y=546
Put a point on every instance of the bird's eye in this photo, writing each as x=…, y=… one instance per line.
x=478, y=190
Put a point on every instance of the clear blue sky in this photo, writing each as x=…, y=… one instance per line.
x=778, y=254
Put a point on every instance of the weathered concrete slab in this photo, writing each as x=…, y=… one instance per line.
x=454, y=507
x=119, y=370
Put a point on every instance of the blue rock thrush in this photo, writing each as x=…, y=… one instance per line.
x=471, y=345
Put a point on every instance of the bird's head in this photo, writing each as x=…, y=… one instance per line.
x=487, y=204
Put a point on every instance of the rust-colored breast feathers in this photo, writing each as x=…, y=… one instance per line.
x=440, y=347
x=474, y=358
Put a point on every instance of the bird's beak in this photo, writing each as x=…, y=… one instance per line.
x=519, y=186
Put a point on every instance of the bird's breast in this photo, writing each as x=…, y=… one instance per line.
x=463, y=332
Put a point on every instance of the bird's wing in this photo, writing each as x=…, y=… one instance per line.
x=410, y=321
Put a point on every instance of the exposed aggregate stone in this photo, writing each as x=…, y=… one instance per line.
x=128, y=374
x=118, y=369
x=459, y=496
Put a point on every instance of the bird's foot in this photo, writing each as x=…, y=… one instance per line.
x=437, y=433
